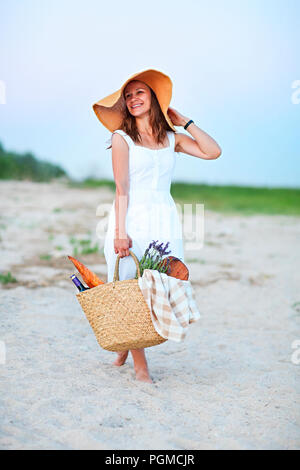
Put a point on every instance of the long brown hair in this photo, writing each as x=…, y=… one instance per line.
x=157, y=121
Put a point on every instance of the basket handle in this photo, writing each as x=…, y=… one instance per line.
x=116, y=273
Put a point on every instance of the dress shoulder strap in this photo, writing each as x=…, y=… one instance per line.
x=171, y=136
x=126, y=137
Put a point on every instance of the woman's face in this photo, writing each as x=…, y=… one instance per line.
x=137, y=97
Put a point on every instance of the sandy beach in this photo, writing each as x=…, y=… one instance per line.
x=232, y=384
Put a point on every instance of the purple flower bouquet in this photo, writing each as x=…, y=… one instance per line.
x=153, y=258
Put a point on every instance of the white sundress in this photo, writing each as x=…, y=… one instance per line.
x=152, y=213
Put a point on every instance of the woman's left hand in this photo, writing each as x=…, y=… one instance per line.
x=177, y=118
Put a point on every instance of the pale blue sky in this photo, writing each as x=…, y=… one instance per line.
x=232, y=64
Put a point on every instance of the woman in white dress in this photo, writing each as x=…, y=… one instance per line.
x=144, y=145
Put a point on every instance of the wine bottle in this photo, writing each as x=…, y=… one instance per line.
x=78, y=284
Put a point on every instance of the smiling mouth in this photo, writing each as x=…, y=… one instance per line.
x=136, y=106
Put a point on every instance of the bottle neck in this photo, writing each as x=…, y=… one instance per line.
x=77, y=283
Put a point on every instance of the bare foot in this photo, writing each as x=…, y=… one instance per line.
x=121, y=359
x=140, y=365
x=142, y=374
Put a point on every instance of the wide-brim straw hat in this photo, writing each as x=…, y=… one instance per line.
x=110, y=110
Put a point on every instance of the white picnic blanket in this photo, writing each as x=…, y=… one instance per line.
x=171, y=302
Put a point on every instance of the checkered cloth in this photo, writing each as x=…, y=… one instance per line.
x=171, y=302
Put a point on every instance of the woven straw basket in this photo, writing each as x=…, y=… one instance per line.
x=119, y=314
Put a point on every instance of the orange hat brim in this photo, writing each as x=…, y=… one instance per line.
x=110, y=109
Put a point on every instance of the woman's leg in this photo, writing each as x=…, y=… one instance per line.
x=140, y=365
x=121, y=359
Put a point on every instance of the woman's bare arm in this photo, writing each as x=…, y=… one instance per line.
x=120, y=164
x=201, y=146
